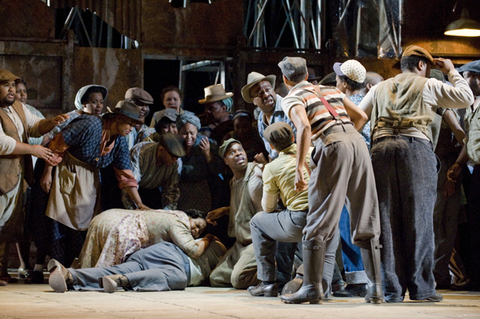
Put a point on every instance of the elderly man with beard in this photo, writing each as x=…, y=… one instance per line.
x=238, y=268
x=155, y=167
x=260, y=90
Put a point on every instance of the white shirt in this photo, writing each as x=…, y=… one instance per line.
x=7, y=143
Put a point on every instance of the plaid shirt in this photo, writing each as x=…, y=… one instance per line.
x=277, y=116
x=83, y=138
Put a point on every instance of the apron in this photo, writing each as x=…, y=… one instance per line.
x=75, y=194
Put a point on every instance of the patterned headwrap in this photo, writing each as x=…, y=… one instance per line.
x=229, y=104
x=185, y=118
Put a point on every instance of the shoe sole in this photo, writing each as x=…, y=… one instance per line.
x=57, y=282
x=109, y=285
x=315, y=301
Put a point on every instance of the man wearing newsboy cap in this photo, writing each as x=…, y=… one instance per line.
x=471, y=73
x=143, y=100
x=17, y=124
x=401, y=110
x=325, y=116
x=155, y=167
x=271, y=227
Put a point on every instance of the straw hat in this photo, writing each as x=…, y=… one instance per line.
x=215, y=93
x=252, y=79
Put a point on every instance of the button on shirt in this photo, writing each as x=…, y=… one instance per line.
x=277, y=116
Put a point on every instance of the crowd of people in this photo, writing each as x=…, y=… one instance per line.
x=351, y=185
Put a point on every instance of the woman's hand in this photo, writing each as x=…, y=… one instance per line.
x=205, y=147
x=46, y=181
x=59, y=119
x=143, y=207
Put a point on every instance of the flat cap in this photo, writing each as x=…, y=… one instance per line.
x=139, y=95
x=293, y=68
x=173, y=143
x=473, y=66
x=280, y=135
x=415, y=50
x=222, y=149
x=6, y=76
x=170, y=114
x=128, y=109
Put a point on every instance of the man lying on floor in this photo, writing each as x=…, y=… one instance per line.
x=160, y=267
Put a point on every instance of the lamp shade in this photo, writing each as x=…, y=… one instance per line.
x=464, y=27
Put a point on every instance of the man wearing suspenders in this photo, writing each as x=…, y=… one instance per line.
x=341, y=170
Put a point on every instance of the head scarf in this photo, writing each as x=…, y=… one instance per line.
x=185, y=118
x=81, y=93
x=228, y=104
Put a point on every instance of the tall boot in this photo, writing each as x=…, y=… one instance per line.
x=371, y=262
x=313, y=261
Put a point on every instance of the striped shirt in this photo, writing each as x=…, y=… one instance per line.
x=304, y=94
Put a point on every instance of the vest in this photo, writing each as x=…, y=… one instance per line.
x=472, y=128
x=399, y=104
x=11, y=165
x=241, y=208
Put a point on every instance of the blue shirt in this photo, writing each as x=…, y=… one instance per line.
x=277, y=116
x=84, y=137
x=357, y=98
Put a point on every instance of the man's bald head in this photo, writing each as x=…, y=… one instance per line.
x=372, y=79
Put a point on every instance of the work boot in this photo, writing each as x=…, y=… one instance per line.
x=60, y=278
x=110, y=283
x=371, y=262
x=262, y=289
x=313, y=262
x=293, y=285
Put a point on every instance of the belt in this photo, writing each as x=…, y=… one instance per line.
x=329, y=130
x=409, y=139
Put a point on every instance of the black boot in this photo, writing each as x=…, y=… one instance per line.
x=371, y=262
x=313, y=261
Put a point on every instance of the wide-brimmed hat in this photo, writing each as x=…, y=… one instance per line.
x=252, y=79
x=128, y=109
x=138, y=95
x=6, y=76
x=215, y=93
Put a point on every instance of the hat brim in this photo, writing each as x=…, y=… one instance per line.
x=127, y=114
x=246, y=89
x=215, y=99
x=337, y=69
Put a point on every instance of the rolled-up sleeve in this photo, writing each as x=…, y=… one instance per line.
x=436, y=93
